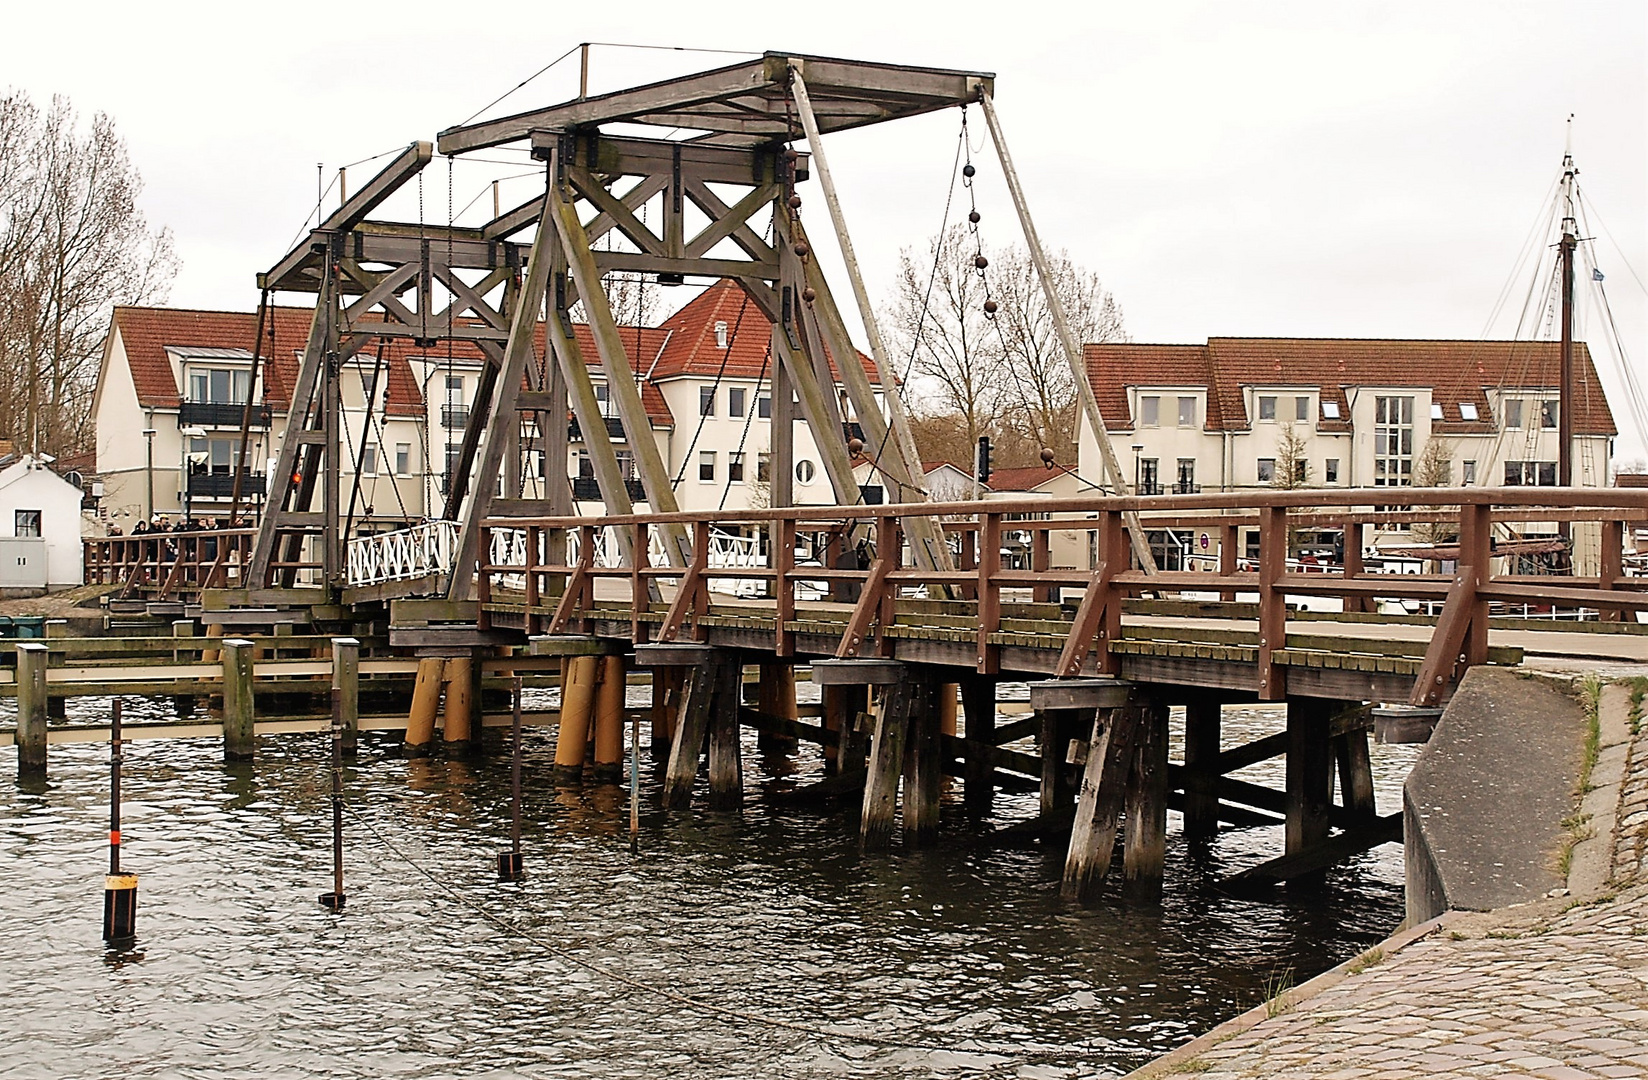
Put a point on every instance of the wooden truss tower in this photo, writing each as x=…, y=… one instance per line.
x=736, y=170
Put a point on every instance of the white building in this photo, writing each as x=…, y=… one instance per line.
x=39, y=527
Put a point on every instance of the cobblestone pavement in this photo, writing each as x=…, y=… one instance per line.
x=1556, y=990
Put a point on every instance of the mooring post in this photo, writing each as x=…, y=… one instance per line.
x=923, y=761
x=509, y=862
x=1309, y=778
x=333, y=901
x=426, y=700
x=1203, y=717
x=346, y=681
x=119, y=888
x=978, y=706
x=239, y=711
x=609, y=720
x=1144, y=843
x=726, y=762
x=459, y=727
x=32, y=658
x=577, y=702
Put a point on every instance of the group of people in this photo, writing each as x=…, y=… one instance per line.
x=163, y=524
x=178, y=531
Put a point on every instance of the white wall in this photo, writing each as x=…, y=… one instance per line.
x=29, y=485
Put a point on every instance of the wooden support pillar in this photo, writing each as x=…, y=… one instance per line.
x=609, y=719
x=426, y=699
x=1354, y=536
x=775, y=696
x=1611, y=566
x=691, y=727
x=666, y=691
x=726, y=761
x=458, y=725
x=1093, y=835
x=1057, y=727
x=1350, y=753
x=239, y=714
x=892, y=721
x=842, y=706
x=1309, y=777
x=1203, y=717
x=1229, y=537
x=577, y=702
x=924, y=762
x=1144, y=846
x=32, y=658
x=978, y=702
x=346, y=680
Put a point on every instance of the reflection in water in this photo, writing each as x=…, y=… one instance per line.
x=964, y=950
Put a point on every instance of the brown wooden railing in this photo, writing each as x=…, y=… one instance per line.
x=163, y=565
x=1459, y=639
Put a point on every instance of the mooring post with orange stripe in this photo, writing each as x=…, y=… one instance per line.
x=509, y=862
x=119, y=889
x=333, y=901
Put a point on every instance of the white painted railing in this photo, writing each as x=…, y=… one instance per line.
x=422, y=550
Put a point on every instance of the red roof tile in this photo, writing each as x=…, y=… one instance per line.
x=1457, y=371
x=693, y=349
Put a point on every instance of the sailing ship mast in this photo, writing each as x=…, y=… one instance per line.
x=1570, y=240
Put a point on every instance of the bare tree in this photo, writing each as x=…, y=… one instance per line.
x=73, y=244
x=1292, y=460
x=1434, y=468
x=1041, y=388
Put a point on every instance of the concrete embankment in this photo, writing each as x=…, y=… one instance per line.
x=1552, y=980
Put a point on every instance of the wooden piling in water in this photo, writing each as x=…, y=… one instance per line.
x=577, y=702
x=726, y=760
x=1057, y=728
x=1355, y=764
x=1093, y=835
x=666, y=688
x=609, y=720
x=886, y=762
x=457, y=719
x=32, y=709
x=924, y=760
x=426, y=699
x=346, y=681
x=1144, y=840
x=1309, y=778
x=239, y=711
x=978, y=702
x=775, y=696
x=1203, y=718
x=692, y=720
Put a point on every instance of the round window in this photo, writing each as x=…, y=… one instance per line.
x=804, y=471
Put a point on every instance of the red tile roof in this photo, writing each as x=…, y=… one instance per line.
x=1457, y=371
x=693, y=350
x=1027, y=478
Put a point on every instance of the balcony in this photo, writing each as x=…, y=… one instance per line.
x=586, y=489
x=222, y=486
x=615, y=430
x=454, y=416
x=219, y=414
x=1148, y=487
x=1186, y=488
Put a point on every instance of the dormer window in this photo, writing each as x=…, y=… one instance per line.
x=1436, y=410
x=1467, y=410
x=219, y=386
x=720, y=335
x=1330, y=410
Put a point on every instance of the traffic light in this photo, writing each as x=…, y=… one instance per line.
x=983, y=461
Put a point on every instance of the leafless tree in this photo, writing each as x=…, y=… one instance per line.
x=73, y=244
x=1041, y=388
x=1292, y=460
x=1434, y=468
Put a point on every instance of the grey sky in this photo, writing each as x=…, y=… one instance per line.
x=1291, y=169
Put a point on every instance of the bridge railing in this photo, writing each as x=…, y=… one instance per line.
x=405, y=554
x=164, y=565
x=1474, y=538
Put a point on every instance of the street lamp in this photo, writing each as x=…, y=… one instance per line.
x=148, y=472
x=1137, y=448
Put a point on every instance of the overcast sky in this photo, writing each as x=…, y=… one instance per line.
x=1349, y=169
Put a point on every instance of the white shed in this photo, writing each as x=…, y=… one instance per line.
x=39, y=527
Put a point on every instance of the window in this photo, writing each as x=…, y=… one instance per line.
x=1392, y=441
x=212, y=456
x=369, y=461
x=1530, y=474
x=1330, y=470
x=706, y=401
x=1467, y=410
x=1301, y=409
x=1548, y=414
x=805, y=471
x=586, y=466
x=403, y=458
x=454, y=389
x=1267, y=470
x=26, y=523
x=735, y=466
x=735, y=401
x=454, y=455
x=706, y=466
x=1150, y=480
x=1267, y=408
x=604, y=400
x=720, y=335
x=1513, y=414
x=219, y=386
x=1150, y=411
x=1187, y=477
x=1436, y=410
x=763, y=468
x=1187, y=412
x=1330, y=410
x=763, y=407
x=1467, y=472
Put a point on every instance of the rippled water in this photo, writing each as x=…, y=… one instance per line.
x=963, y=952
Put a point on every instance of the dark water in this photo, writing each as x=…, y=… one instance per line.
x=963, y=952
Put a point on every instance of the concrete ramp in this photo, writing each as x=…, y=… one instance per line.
x=1484, y=806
